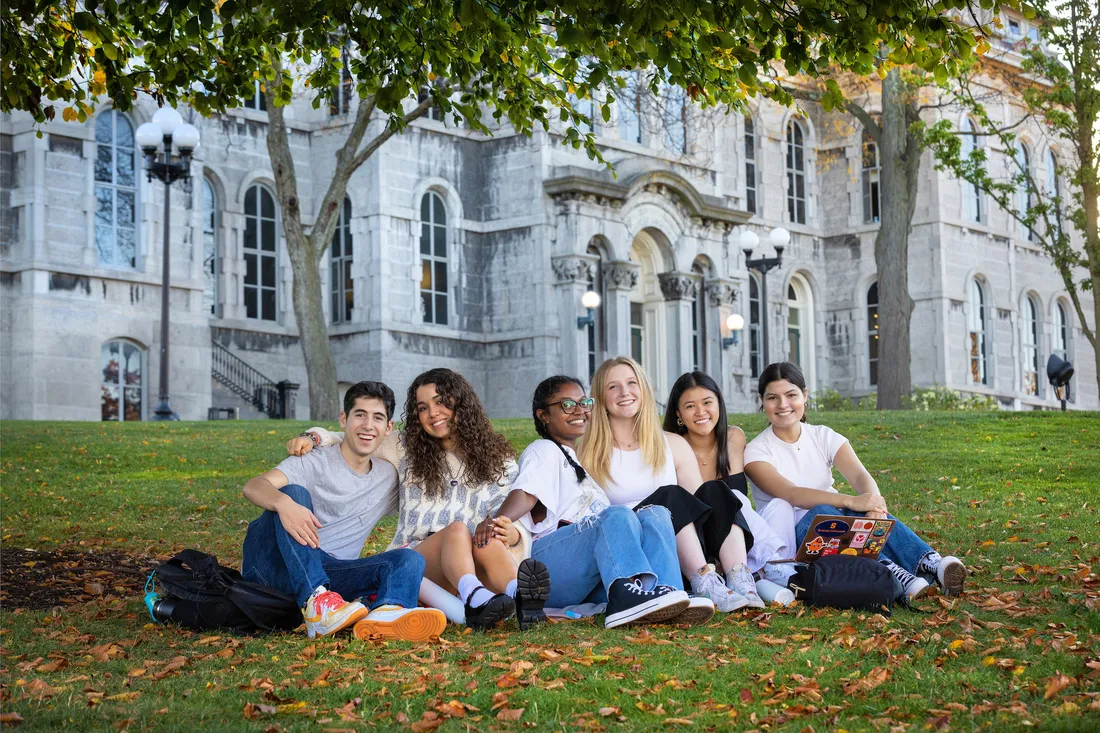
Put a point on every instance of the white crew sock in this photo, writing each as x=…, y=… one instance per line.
x=471, y=591
x=511, y=589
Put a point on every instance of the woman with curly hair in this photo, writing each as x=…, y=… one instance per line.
x=454, y=470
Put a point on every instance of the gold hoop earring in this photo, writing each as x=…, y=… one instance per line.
x=679, y=422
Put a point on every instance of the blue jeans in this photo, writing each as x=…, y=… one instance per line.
x=586, y=557
x=274, y=558
x=903, y=546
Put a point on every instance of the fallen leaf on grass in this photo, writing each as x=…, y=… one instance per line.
x=746, y=695
x=677, y=721
x=55, y=666
x=1056, y=684
x=430, y=721
x=863, y=685
x=512, y=714
x=604, y=712
x=10, y=718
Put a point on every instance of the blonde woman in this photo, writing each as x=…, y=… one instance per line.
x=639, y=464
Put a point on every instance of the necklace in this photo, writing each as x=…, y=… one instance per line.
x=454, y=476
x=700, y=458
x=625, y=446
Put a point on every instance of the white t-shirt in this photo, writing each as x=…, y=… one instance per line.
x=545, y=473
x=808, y=462
x=632, y=479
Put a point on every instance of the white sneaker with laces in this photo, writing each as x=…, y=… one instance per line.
x=709, y=584
x=326, y=612
x=405, y=624
x=739, y=580
x=951, y=574
x=911, y=584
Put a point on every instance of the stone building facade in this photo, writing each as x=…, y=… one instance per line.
x=472, y=252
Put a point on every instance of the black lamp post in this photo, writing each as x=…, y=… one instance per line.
x=166, y=128
x=779, y=238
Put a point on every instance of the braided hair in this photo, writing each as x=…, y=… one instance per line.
x=543, y=393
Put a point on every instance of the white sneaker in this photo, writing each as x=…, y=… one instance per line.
x=739, y=580
x=709, y=584
x=778, y=572
x=405, y=624
x=911, y=584
x=773, y=593
x=951, y=574
x=326, y=612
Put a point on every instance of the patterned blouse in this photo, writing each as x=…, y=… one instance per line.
x=418, y=516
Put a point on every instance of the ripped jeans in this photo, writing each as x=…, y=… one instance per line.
x=585, y=557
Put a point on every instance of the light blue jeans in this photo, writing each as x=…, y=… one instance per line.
x=584, y=558
x=903, y=546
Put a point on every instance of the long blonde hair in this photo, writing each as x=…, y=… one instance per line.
x=598, y=442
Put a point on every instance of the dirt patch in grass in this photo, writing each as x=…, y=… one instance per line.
x=37, y=580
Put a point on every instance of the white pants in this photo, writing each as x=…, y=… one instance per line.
x=782, y=518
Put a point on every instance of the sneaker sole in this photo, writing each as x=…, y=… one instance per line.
x=532, y=590
x=424, y=624
x=353, y=617
x=694, y=616
x=920, y=591
x=653, y=612
x=954, y=576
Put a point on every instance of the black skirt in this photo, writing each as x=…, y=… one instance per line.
x=714, y=509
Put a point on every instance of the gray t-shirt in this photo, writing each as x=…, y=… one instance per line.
x=347, y=503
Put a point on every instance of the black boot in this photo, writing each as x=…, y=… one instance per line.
x=492, y=612
x=532, y=590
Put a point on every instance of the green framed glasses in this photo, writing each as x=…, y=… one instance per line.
x=569, y=406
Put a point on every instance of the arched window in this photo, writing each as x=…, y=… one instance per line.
x=340, y=255
x=756, y=356
x=871, y=169
x=211, y=220
x=433, y=259
x=699, y=321
x=596, y=331
x=1023, y=191
x=630, y=109
x=115, y=191
x=796, y=173
x=795, y=317
x=1061, y=335
x=340, y=101
x=122, y=388
x=872, y=333
x=1031, y=346
x=977, y=325
x=675, y=108
x=972, y=195
x=261, y=258
x=1054, y=188
x=750, y=166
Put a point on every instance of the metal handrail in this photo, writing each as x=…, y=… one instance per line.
x=246, y=381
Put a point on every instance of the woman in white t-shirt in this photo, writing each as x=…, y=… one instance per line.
x=593, y=550
x=790, y=465
x=639, y=464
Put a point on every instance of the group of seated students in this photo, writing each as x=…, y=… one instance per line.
x=609, y=510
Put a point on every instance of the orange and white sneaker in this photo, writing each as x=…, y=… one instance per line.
x=404, y=624
x=326, y=612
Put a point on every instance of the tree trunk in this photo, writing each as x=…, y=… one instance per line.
x=900, y=162
x=305, y=259
x=1091, y=192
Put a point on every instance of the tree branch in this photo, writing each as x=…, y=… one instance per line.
x=419, y=111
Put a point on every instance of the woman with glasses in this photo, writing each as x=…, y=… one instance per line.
x=594, y=551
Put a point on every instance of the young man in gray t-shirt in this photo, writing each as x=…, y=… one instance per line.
x=319, y=510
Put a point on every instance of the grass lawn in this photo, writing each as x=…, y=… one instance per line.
x=1014, y=495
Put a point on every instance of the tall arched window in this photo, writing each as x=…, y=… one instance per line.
x=122, y=387
x=756, y=311
x=699, y=322
x=1054, y=189
x=340, y=101
x=1061, y=335
x=1031, y=346
x=675, y=108
x=750, y=165
x=341, y=286
x=115, y=191
x=1023, y=191
x=796, y=173
x=261, y=255
x=433, y=259
x=972, y=195
x=871, y=169
x=872, y=333
x=211, y=220
x=596, y=331
x=630, y=109
x=796, y=316
x=977, y=325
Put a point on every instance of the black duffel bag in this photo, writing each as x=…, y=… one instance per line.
x=844, y=581
x=193, y=590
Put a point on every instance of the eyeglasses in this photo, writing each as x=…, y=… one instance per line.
x=569, y=406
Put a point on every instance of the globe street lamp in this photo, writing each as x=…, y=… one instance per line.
x=779, y=238
x=156, y=138
x=591, y=301
x=734, y=323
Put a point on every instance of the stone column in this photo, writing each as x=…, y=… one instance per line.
x=619, y=279
x=571, y=276
x=679, y=290
x=722, y=296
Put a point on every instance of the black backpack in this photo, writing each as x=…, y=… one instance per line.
x=193, y=590
x=844, y=581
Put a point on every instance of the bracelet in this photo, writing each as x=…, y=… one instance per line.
x=311, y=436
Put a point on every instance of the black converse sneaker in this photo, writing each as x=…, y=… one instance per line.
x=629, y=603
x=532, y=590
x=911, y=584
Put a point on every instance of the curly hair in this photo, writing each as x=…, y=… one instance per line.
x=484, y=451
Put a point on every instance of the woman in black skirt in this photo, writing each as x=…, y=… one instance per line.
x=697, y=411
x=638, y=464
